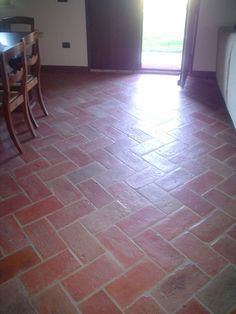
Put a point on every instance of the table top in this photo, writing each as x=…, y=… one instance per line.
x=9, y=39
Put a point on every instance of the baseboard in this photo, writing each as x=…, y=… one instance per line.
x=64, y=68
x=204, y=74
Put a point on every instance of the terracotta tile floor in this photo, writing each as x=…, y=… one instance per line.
x=125, y=202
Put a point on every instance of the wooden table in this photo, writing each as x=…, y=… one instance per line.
x=9, y=39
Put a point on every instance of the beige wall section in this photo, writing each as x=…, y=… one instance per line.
x=213, y=14
x=59, y=22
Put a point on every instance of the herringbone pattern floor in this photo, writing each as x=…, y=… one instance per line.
x=125, y=202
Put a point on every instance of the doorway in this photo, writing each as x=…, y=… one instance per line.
x=163, y=34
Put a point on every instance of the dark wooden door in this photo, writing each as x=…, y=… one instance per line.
x=189, y=39
x=114, y=32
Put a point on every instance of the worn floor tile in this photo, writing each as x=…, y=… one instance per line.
x=219, y=294
x=176, y=290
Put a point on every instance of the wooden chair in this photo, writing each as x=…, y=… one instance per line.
x=33, y=82
x=7, y=23
x=9, y=99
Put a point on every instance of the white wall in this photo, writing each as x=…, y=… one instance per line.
x=59, y=22
x=213, y=14
x=66, y=22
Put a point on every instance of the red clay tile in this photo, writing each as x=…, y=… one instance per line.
x=46, y=141
x=8, y=292
x=70, y=213
x=44, y=238
x=30, y=168
x=13, y=264
x=12, y=204
x=99, y=303
x=94, y=118
x=70, y=142
x=78, y=157
x=199, y=150
x=54, y=300
x=202, y=117
x=227, y=248
x=120, y=246
x=171, y=149
x=132, y=160
x=222, y=169
x=141, y=220
x=224, y=152
x=84, y=173
x=222, y=201
x=159, y=250
x=175, y=224
x=146, y=147
x=193, y=307
x=105, y=217
x=144, y=305
x=174, y=179
x=52, y=155
x=38, y=210
x=64, y=191
x=201, y=254
x=229, y=186
x=209, y=139
x=215, y=128
x=81, y=242
x=176, y=289
x=160, y=198
x=121, y=144
x=57, y=170
x=34, y=188
x=128, y=196
x=106, y=159
x=91, y=277
x=232, y=232
x=95, y=144
x=45, y=130
x=211, y=227
x=88, y=131
x=47, y=272
x=197, y=203
x=145, y=275
x=8, y=186
x=29, y=154
x=193, y=166
x=219, y=294
x=95, y=193
x=144, y=177
x=204, y=182
x=160, y=162
x=11, y=236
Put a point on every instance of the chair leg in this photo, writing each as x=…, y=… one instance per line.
x=27, y=118
x=11, y=131
x=40, y=98
x=29, y=99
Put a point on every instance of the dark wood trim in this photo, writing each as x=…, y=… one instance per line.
x=204, y=74
x=64, y=68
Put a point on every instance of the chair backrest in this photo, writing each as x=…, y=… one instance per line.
x=15, y=23
x=31, y=42
x=11, y=76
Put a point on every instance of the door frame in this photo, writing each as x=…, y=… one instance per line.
x=190, y=38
